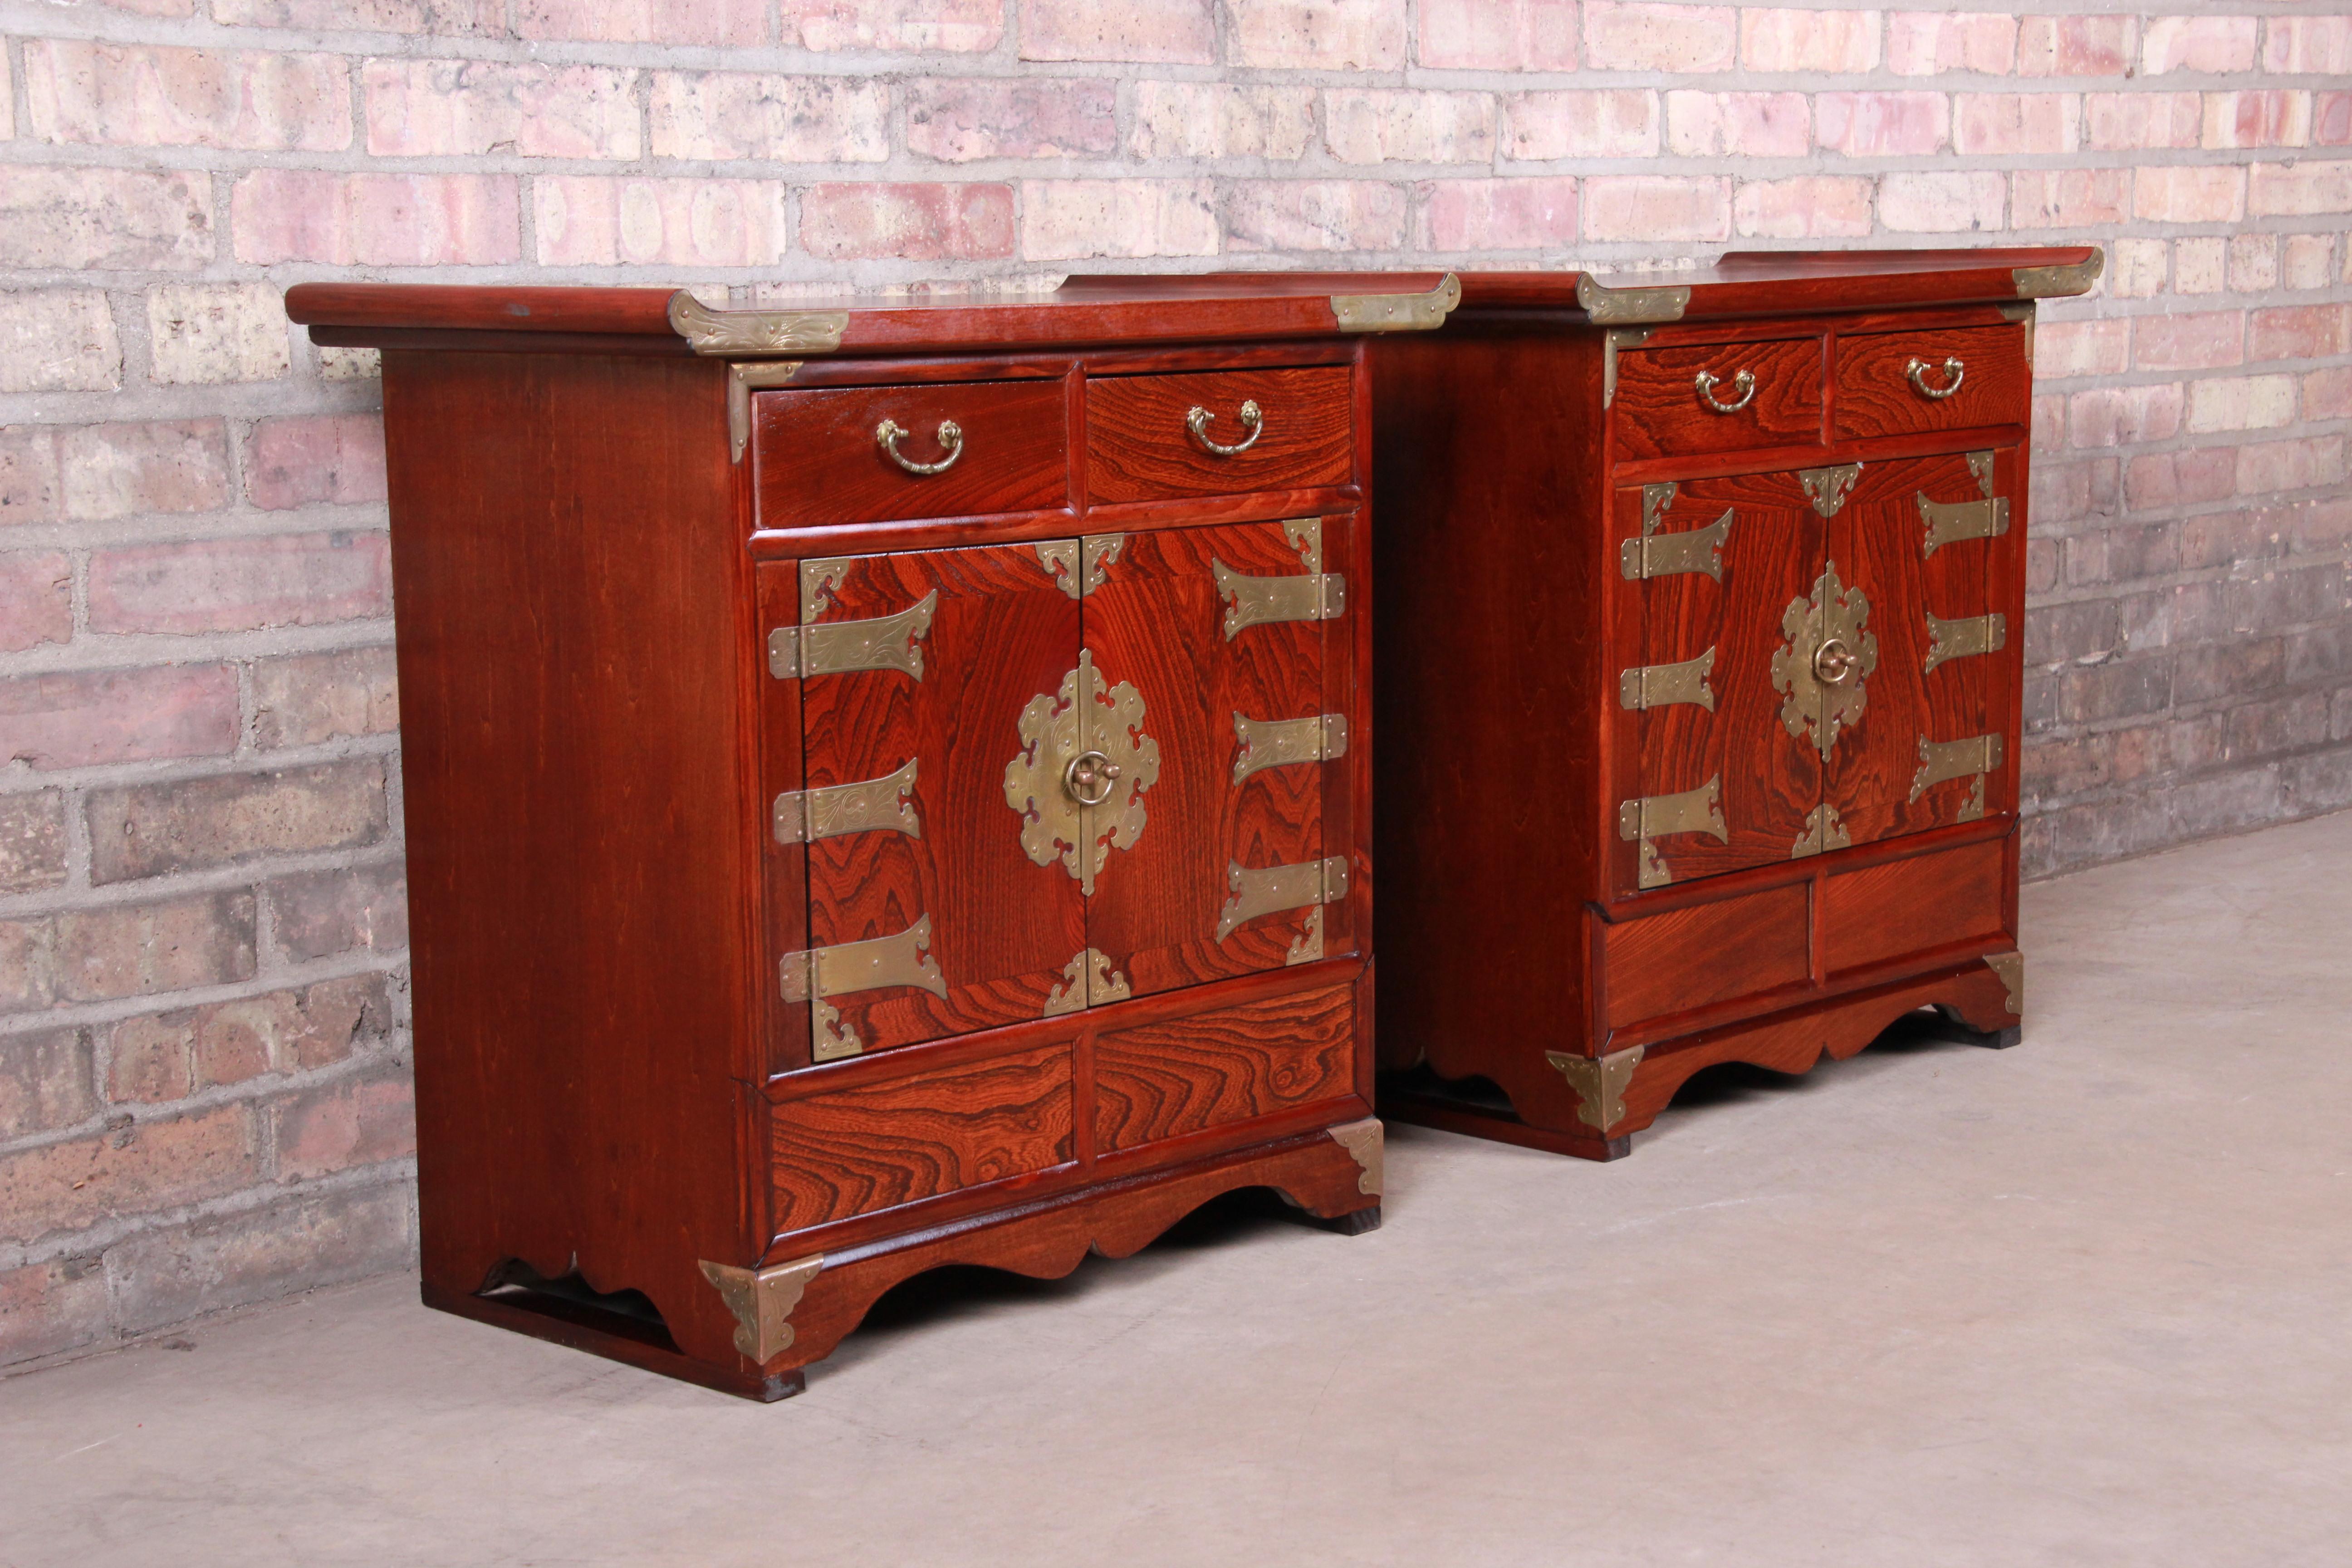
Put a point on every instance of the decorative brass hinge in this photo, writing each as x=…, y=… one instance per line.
x=1079, y=777
x=1828, y=487
x=1365, y=1140
x=1943, y=761
x=1653, y=817
x=1274, y=889
x=1657, y=555
x=1258, y=600
x=844, y=648
x=1279, y=742
x=763, y=333
x=1612, y=341
x=1600, y=1083
x=740, y=380
x=1948, y=522
x=2010, y=967
x=1966, y=637
x=1080, y=565
x=878, y=963
x=2054, y=282
x=1830, y=654
x=1397, y=312
x=1659, y=685
x=1823, y=832
x=1087, y=981
x=883, y=804
x=1607, y=307
x=762, y=1302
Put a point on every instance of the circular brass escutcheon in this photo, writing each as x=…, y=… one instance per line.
x=1832, y=663
x=1090, y=778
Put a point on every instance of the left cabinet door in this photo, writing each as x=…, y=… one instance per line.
x=926, y=918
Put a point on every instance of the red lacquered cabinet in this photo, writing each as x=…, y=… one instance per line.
x=887, y=786
x=1700, y=606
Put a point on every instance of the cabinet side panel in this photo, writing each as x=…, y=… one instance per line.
x=573, y=619
x=1486, y=532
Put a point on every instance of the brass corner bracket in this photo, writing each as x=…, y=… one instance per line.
x=755, y=333
x=1600, y=1083
x=1608, y=307
x=1365, y=1140
x=761, y=1300
x=1398, y=312
x=740, y=380
x=2056, y=282
x=2010, y=967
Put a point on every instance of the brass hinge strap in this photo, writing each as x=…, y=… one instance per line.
x=1279, y=742
x=883, y=804
x=1252, y=601
x=1663, y=554
x=1650, y=685
x=1949, y=522
x=1943, y=761
x=1272, y=889
x=844, y=648
x=1965, y=638
x=877, y=963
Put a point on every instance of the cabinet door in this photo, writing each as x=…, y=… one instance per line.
x=1925, y=541
x=926, y=915
x=1221, y=868
x=1720, y=779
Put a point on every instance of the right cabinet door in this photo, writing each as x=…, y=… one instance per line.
x=1923, y=547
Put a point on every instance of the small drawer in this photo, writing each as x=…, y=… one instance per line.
x=1916, y=906
x=1717, y=397
x=1889, y=383
x=822, y=456
x=1663, y=965
x=1149, y=436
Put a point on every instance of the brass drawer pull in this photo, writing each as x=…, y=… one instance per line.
x=1252, y=419
x=888, y=434
x=1743, y=384
x=1954, y=372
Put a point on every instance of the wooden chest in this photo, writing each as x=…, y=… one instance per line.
x=885, y=787
x=1700, y=615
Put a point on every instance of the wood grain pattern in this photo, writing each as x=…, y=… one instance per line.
x=785, y=867
x=816, y=459
x=1875, y=397
x=885, y=1145
x=1686, y=959
x=1003, y=633
x=1658, y=410
x=1881, y=912
x=1138, y=447
x=1162, y=1080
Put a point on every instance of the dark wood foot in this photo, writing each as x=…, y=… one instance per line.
x=1956, y=1028
x=1355, y=1223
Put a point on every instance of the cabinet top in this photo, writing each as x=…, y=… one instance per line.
x=1229, y=306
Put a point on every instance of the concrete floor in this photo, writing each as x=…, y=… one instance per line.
x=2081, y=1303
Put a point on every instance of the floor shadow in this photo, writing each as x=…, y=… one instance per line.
x=1739, y=1083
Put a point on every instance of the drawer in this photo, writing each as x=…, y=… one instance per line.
x=1149, y=436
x=1955, y=378
x=821, y=459
x=1690, y=958
x=1915, y=906
x=1157, y=1081
x=1761, y=395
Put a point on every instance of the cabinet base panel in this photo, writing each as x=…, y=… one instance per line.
x=505, y=1314
x=1422, y=1098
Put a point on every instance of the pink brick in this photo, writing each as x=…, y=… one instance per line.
x=593, y=220
x=2189, y=340
x=2253, y=263
x=898, y=27
x=2122, y=416
x=1808, y=206
x=2211, y=194
x=1157, y=32
x=2299, y=331
x=919, y=223
x=1627, y=35
x=118, y=219
x=1882, y=124
x=2301, y=190
x=2267, y=465
x=117, y=95
x=1739, y=124
x=121, y=470
x=1376, y=125
x=1656, y=207
x=724, y=23
x=957, y=121
x=2069, y=198
x=29, y=491
x=2007, y=124
x=1315, y=214
x=377, y=220
x=87, y=718
x=333, y=458
x=1319, y=35
x=445, y=18
x=47, y=1309
x=2130, y=121
x=1613, y=122
x=1815, y=41
x=1213, y=119
x=355, y=1122
x=36, y=599
x=237, y=584
x=1941, y=202
x=2075, y=46
x=2061, y=349
x=2181, y=479
x=1498, y=214
x=2218, y=45
x=2310, y=260
x=2328, y=394
x=2275, y=118
x=1070, y=220
x=474, y=107
x=2331, y=119
x=149, y=1166
x=2309, y=45
x=725, y=116
x=1933, y=43
x=1499, y=35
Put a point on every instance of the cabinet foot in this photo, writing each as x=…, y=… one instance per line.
x=1950, y=1025
x=1423, y=1100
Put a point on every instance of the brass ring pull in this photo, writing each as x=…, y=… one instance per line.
x=1743, y=384
x=888, y=434
x=1197, y=421
x=1834, y=663
x=1918, y=371
x=1087, y=770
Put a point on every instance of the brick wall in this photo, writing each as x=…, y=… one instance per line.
x=202, y=1042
